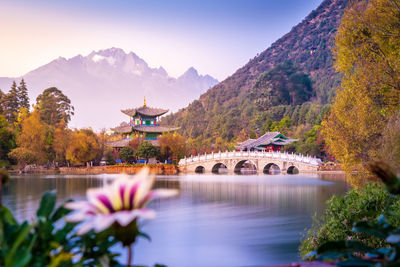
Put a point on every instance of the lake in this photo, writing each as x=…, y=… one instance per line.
x=217, y=220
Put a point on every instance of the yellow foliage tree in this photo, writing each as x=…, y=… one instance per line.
x=173, y=144
x=34, y=142
x=83, y=146
x=60, y=140
x=367, y=54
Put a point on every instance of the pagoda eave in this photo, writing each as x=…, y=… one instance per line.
x=122, y=129
x=119, y=143
x=154, y=129
x=145, y=111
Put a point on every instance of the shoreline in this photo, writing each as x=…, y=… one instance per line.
x=159, y=169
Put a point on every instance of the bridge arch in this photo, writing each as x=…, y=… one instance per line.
x=245, y=167
x=271, y=168
x=219, y=168
x=200, y=169
x=292, y=170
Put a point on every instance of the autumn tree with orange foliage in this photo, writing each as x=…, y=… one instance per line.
x=367, y=55
x=83, y=146
x=172, y=145
x=34, y=142
x=60, y=141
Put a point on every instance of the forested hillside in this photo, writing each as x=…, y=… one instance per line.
x=292, y=79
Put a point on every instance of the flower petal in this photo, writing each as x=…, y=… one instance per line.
x=119, y=186
x=126, y=217
x=78, y=216
x=85, y=227
x=99, y=198
x=144, y=187
x=157, y=193
x=78, y=205
x=102, y=222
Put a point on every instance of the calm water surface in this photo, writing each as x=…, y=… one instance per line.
x=215, y=221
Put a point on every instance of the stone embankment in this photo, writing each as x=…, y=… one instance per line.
x=166, y=169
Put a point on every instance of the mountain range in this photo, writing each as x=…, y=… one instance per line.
x=248, y=97
x=102, y=83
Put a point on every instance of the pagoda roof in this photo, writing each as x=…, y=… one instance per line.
x=269, y=138
x=145, y=111
x=122, y=128
x=247, y=142
x=154, y=129
x=119, y=143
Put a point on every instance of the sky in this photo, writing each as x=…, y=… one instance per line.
x=214, y=36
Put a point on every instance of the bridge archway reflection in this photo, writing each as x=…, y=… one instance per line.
x=271, y=168
x=245, y=167
x=219, y=168
x=292, y=170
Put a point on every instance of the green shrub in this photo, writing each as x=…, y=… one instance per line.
x=126, y=154
x=341, y=213
x=42, y=243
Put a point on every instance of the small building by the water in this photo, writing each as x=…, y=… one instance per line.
x=144, y=123
x=269, y=142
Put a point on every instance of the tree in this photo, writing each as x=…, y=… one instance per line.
x=243, y=136
x=60, y=141
x=134, y=143
x=83, y=146
x=126, y=154
x=54, y=106
x=109, y=155
x=337, y=222
x=34, y=142
x=146, y=150
x=7, y=140
x=283, y=84
x=367, y=55
x=22, y=95
x=172, y=144
x=2, y=97
x=390, y=142
x=10, y=104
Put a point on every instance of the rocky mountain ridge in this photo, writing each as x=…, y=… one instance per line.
x=228, y=107
x=106, y=81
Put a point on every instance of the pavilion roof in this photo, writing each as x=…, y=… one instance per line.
x=119, y=143
x=269, y=138
x=248, y=141
x=154, y=129
x=145, y=111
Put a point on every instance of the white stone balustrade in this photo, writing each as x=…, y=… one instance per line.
x=251, y=155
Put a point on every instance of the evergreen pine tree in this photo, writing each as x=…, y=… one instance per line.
x=10, y=104
x=22, y=93
x=2, y=96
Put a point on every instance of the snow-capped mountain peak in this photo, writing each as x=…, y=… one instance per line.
x=106, y=81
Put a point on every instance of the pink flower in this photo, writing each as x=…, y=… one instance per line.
x=120, y=203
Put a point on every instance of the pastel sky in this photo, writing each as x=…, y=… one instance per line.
x=214, y=36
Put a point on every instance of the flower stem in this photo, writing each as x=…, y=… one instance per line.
x=130, y=254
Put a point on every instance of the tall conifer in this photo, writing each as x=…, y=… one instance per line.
x=22, y=93
x=2, y=96
x=10, y=103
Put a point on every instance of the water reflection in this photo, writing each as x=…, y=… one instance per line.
x=217, y=220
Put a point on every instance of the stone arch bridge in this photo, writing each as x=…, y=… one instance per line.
x=249, y=162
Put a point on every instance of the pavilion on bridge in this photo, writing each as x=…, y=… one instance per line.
x=144, y=123
x=269, y=142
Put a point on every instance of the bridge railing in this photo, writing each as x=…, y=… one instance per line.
x=255, y=154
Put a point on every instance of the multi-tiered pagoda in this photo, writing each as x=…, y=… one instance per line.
x=144, y=122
